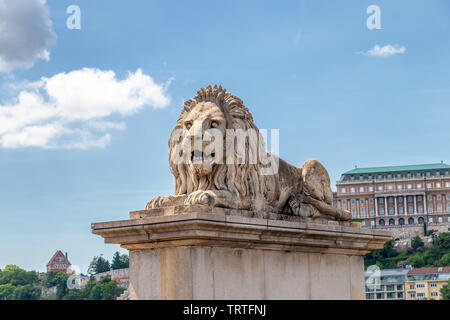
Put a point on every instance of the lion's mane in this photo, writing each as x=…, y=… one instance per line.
x=243, y=179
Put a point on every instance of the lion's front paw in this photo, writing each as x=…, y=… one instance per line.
x=155, y=203
x=206, y=198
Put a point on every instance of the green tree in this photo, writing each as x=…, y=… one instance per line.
x=119, y=261
x=417, y=243
x=442, y=241
x=7, y=292
x=27, y=292
x=445, y=291
x=99, y=265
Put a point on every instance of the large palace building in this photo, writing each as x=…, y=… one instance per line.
x=393, y=196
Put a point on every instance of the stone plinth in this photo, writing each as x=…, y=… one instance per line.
x=213, y=253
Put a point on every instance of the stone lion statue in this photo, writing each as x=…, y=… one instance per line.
x=240, y=184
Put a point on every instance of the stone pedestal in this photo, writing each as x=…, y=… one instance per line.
x=214, y=253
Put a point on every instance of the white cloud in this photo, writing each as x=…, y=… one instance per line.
x=25, y=33
x=71, y=110
x=387, y=50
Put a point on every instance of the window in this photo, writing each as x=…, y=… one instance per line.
x=429, y=186
x=380, y=176
x=370, y=189
x=353, y=201
x=411, y=221
x=447, y=184
x=409, y=186
x=420, y=220
x=363, y=212
x=372, y=212
x=344, y=202
x=343, y=190
x=352, y=178
x=434, y=294
x=390, y=295
x=361, y=177
x=433, y=285
x=410, y=209
x=410, y=199
x=440, y=219
x=381, y=200
x=419, y=186
x=418, y=174
x=448, y=197
x=391, y=210
x=361, y=189
x=371, y=200
x=420, y=295
x=352, y=190
x=401, y=222
x=400, y=295
x=389, y=187
x=391, y=200
x=439, y=207
x=391, y=222
x=400, y=210
x=438, y=184
x=380, y=188
x=419, y=209
x=381, y=211
x=364, y=223
x=430, y=208
x=439, y=197
x=448, y=207
x=354, y=212
x=429, y=197
x=389, y=175
x=412, y=295
x=399, y=287
x=428, y=174
x=431, y=219
x=362, y=201
x=399, y=187
x=372, y=223
x=419, y=198
x=382, y=222
x=411, y=286
x=400, y=199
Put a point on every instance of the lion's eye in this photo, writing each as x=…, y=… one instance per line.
x=188, y=125
x=214, y=124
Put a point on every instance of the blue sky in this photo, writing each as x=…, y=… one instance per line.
x=303, y=67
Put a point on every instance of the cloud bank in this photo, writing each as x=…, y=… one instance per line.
x=386, y=51
x=25, y=33
x=73, y=110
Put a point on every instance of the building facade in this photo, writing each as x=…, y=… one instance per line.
x=398, y=196
x=59, y=263
x=426, y=283
x=386, y=284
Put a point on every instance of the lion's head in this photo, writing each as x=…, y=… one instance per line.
x=213, y=108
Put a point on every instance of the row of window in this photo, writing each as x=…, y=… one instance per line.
x=399, y=175
x=382, y=295
x=401, y=210
x=401, y=221
x=399, y=199
x=430, y=185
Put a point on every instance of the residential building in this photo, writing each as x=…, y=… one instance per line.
x=426, y=282
x=388, y=284
x=59, y=263
x=396, y=196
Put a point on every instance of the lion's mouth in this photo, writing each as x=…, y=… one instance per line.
x=198, y=155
